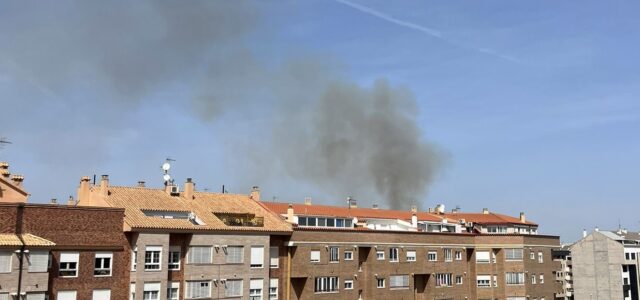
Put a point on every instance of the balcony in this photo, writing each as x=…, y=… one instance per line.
x=239, y=219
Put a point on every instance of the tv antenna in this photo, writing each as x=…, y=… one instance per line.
x=166, y=166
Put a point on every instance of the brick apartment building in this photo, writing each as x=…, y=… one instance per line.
x=119, y=242
x=368, y=253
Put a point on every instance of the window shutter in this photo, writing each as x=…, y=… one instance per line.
x=234, y=288
x=315, y=255
x=30, y=296
x=38, y=261
x=482, y=256
x=200, y=255
x=257, y=255
x=149, y=287
x=5, y=263
x=4, y=296
x=234, y=254
x=101, y=294
x=255, y=284
x=69, y=257
x=273, y=257
x=66, y=295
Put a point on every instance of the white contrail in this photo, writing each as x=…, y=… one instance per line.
x=429, y=31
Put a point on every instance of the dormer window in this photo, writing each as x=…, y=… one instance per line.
x=240, y=219
x=180, y=215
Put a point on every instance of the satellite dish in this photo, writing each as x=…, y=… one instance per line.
x=166, y=177
x=166, y=166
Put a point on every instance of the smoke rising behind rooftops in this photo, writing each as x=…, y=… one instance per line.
x=326, y=130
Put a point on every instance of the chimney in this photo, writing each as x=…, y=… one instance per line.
x=255, y=193
x=307, y=201
x=141, y=183
x=523, y=218
x=71, y=202
x=4, y=169
x=375, y=206
x=430, y=209
x=104, y=185
x=352, y=202
x=485, y=211
x=414, y=209
x=54, y=201
x=584, y=233
x=414, y=220
x=17, y=180
x=189, y=187
x=83, y=190
x=290, y=213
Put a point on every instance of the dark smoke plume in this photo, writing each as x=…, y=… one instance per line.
x=326, y=130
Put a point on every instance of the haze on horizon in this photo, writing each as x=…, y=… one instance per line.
x=512, y=106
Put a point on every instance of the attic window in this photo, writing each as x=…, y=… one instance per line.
x=180, y=215
x=240, y=219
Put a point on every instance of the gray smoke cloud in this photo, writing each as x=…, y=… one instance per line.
x=324, y=129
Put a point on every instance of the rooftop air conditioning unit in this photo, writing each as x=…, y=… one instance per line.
x=175, y=190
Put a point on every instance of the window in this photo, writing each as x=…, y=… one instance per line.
x=233, y=288
x=5, y=262
x=458, y=279
x=257, y=257
x=38, y=261
x=152, y=258
x=495, y=281
x=235, y=254
x=102, y=264
x=30, y=296
x=443, y=279
x=134, y=259
x=393, y=254
x=67, y=295
x=497, y=229
x=132, y=291
x=513, y=254
x=315, y=256
x=255, y=289
x=273, y=289
x=5, y=296
x=540, y=257
x=399, y=281
x=174, y=258
x=200, y=255
x=348, y=255
x=432, y=256
x=326, y=284
x=380, y=283
x=482, y=256
x=151, y=291
x=541, y=278
x=348, y=284
x=532, y=254
x=101, y=295
x=69, y=264
x=411, y=255
x=198, y=289
x=516, y=298
x=484, y=281
x=274, y=259
x=380, y=255
x=448, y=255
x=514, y=278
x=334, y=254
x=173, y=291
x=458, y=255
x=533, y=278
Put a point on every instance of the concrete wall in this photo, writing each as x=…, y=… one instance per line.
x=597, y=268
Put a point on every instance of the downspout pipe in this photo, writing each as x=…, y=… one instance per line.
x=19, y=217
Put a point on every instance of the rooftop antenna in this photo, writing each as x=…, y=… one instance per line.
x=165, y=168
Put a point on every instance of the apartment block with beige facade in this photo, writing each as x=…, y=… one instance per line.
x=193, y=245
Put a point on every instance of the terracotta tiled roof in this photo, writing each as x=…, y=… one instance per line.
x=489, y=218
x=361, y=213
x=135, y=200
x=29, y=240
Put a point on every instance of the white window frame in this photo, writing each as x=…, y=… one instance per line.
x=197, y=255
x=174, y=251
x=432, y=256
x=69, y=258
x=326, y=284
x=458, y=254
x=257, y=257
x=411, y=255
x=227, y=290
x=67, y=294
x=459, y=279
x=38, y=261
x=380, y=283
x=443, y=279
x=175, y=285
x=394, y=254
x=273, y=289
x=314, y=256
x=514, y=278
x=274, y=257
x=334, y=254
x=348, y=254
x=399, y=282
x=256, y=288
x=533, y=279
x=348, y=284
x=102, y=256
x=229, y=257
x=155, y=256
x=510, y=254
x=134, y=259
x=195, y=292
x=152, y=289
x=540, y=257
x=480, y=259
x=380, y=255
x=541, y=279
x=483, y=281
x=100, y=296
x=448, y=255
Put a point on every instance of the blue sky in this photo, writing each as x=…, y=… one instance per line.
x=534, y=103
